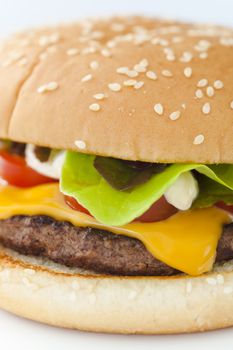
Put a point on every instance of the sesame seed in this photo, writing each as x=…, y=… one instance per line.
x=168, y=51
x=88, y=50
x=202, y=83
x=167, y=73
x=132, y=73
x=158, y=108
x=226, y=41
x=151, y=75
x=144, y=63
x=97, y=34
x=122, y=70
x=170, y=57
x=175, y=115
x=206, y=108
x=130, y=82
x=186, y=57
x=177, y=39
x=155, y=41
x=203, y=55
x=86, y=78
x=139, y=68
x=188, y=72
x=200, y=48
x=183, y=105
x=227, y=290
x=210, y=91
x=99, y=96
x=203, y=44
x=111, y=44
x=199, y=139
x=95, y=107
x=80, y=144
x=72, y=52
x=138, y=85
x=199, y=93
x=46, y=40
x=53, y=85
x=163, y=42
x=218, y=84
x=114, y=87
x=106, y=53
x=94, y=65
x=231, y=104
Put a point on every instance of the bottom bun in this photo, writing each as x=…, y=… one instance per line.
x=40, y=290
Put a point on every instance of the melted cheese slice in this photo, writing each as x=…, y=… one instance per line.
x=186, y=241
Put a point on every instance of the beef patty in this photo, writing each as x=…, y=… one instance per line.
x=91, y=248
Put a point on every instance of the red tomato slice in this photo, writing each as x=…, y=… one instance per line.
x=224, y=206
x=75, y=205
x=15, y=171
x=160, y=210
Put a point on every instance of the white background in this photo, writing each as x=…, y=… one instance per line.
x=20, y=334
x=17, y=14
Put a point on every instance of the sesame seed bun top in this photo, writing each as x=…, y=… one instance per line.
x=131, y=88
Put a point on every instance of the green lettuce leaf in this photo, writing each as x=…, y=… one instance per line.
x=82, y=181
x=211, y=192
x=222, y=173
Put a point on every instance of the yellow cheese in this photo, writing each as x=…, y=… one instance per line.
x=186, y=241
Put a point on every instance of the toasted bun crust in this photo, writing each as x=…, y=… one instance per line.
x=186, y=69
x=52, y=294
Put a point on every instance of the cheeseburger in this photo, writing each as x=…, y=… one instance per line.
x=116, y=169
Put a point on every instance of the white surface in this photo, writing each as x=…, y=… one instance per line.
x=17, y=14
x=20, y=334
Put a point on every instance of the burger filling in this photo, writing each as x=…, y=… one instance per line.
x=115, y=216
